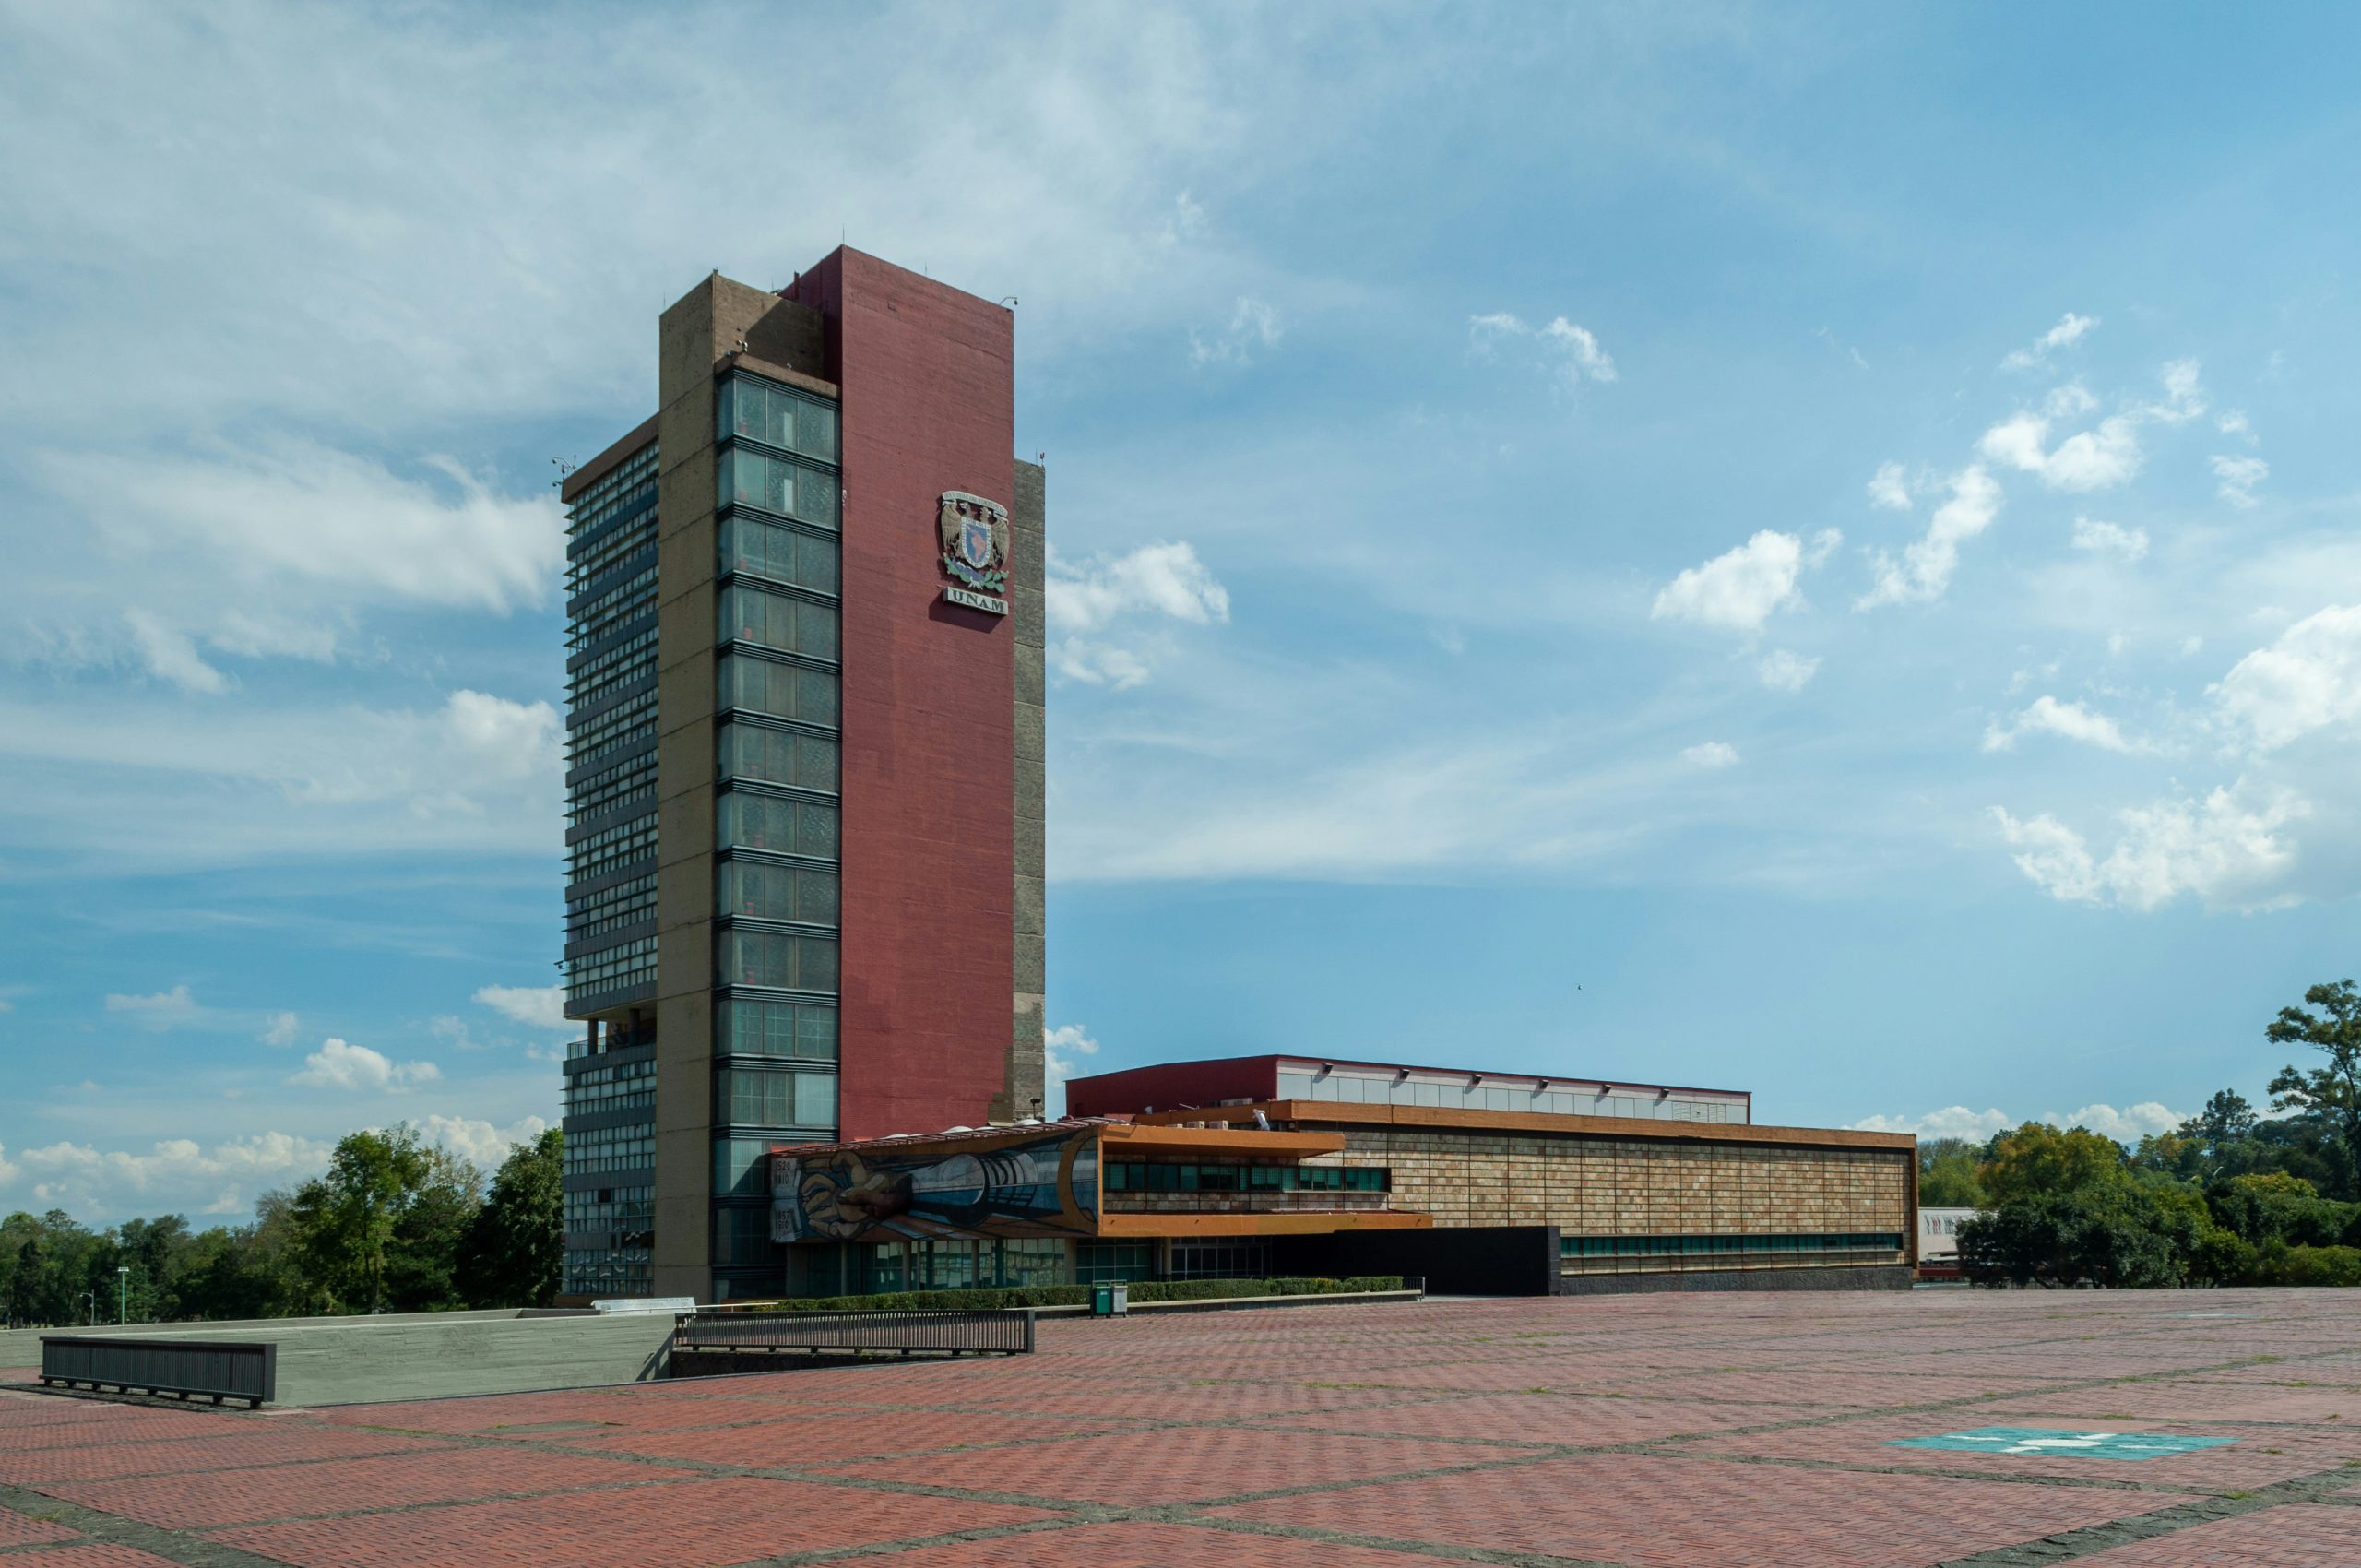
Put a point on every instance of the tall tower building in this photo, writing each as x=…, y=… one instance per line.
x=805, y=723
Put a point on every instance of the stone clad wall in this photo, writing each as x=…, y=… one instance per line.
x=1595, y=1186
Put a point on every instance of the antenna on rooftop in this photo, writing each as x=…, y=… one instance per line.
x=565, y=467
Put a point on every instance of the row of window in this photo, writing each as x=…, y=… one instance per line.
x=624, y=1272
x=625, y=724
x=792, y=625
x=749, y=478
x=622, y=490
x=615, y=788
x=1174, y=1176
x=611, y=1209
x=626, y=903
x=776, y=961
x=777, y=756
x=635, y=595
x=1669, y=1246
x=764, y=822
x=608, y=848
x=775, y=1096
x=631, y=1147
x=775, y=893
x=783, y=691
x=625, y=1087
x=1227, y=1257
x=766, y=549
x=745, y=1025
x=761, y=410
x=631, y=659
x=611, y=492
x=612, y=969
x=931, y=1265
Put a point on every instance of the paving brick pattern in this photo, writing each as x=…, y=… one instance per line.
x=96, y=1555
x=1647, y=1431
x=18, y=1529
x=2295, y=1537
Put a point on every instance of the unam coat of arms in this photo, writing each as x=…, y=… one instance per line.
x=974, y=541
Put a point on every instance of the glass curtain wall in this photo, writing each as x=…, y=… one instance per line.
x=777, y=763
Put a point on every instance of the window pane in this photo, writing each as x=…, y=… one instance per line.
x=815, y=1099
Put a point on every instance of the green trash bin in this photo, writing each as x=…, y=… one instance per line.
x=1110, y=1300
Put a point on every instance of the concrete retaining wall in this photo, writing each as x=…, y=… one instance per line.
x=424, y=1356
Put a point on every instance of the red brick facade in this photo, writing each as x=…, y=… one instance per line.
x=927, y=375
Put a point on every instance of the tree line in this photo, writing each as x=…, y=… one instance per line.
x=2229, y=1197
x=394, y=1224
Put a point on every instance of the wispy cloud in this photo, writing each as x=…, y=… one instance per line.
x=2071, y=330
x=1570, y=350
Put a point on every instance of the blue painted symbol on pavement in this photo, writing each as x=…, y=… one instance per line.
x=2047, y=1441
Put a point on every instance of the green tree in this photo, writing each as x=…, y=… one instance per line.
x=512, y=1253
x=2038, y=1160
x=2120, y=1233
x=2331, y=1091
x=1947, y=1173
x=421, y=1263
x=345, y=1220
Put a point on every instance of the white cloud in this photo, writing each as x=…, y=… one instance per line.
x=2047, y=715
x=2068, y=331
x=1061, y=1048
x=1095, y=608
x=1572, y=348
x=1925, y=569
x=1890, y=487
x=2125, y=1126
x=539, y=1007
x=281, y=1029
x=2238, y=476
x=169, y=655
x=2306, y=682
x=298, y=514
x=100, y=1186
x=2234, y=422
x=1710, y=754
x=161, y=1010
x=2096, y=458
x=477, y=771
x=480, y=1143
x=1785, y=672
x=2110, y=539
x=2229, y=849
x=1739, y=590
x=2069, y=401
x=1254, y=327
x=338, y=1064
x=2184, y=395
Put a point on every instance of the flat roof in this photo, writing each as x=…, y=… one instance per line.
x=1485, y=1073
x=1318, y=1112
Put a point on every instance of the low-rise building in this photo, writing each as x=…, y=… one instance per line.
x=1277, y=1165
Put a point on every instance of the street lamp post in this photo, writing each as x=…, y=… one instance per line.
x=122, y=1294
x=91, y=1307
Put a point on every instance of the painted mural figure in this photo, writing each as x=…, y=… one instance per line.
x=1020, y=1185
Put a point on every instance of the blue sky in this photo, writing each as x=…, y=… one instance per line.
x=1789, y=548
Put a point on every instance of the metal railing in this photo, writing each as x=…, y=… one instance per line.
x=196, y=1369
x=1002, y=1332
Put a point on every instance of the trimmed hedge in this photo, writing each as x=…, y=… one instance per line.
x=1073, y=1295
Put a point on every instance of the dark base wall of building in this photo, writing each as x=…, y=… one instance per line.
x=1490, y=1260
x=1858, y=1276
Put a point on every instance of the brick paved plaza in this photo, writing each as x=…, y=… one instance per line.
x=1669, y=1431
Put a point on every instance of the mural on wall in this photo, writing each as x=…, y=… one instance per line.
x=1016, y=1183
